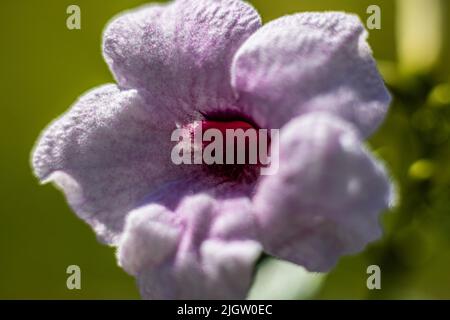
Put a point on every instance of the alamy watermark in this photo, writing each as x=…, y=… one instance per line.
x=374, y=19
x=374, y=278
x=73, y=281
x=73, y=21
x=228, y=146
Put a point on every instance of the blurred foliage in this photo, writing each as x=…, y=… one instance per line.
x=45, y=67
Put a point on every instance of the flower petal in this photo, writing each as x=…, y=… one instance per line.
x=203, y=250
x=180, y=52
x=310, y=62
x=105, y=154
x=325, y=199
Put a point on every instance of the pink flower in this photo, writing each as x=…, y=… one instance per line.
x=191, y=231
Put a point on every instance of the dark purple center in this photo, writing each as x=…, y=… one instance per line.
x=238, y=153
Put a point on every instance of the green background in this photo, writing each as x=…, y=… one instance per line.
x=45, y=67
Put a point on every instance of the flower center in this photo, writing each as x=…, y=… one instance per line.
x=231, y=149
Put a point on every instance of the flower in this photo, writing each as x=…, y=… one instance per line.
x=191, y=231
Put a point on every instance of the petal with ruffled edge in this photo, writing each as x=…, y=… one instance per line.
x=180, y=52
x=205, y=249
x=326, y=197
x=105, y=154
x=310, y=62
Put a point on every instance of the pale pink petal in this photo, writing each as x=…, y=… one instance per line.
x=310, y=62
x=326, y=198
